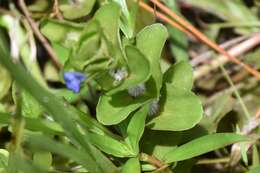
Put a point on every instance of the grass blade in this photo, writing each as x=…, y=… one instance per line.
x=203, y=145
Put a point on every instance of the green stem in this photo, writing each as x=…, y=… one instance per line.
x=240, y=100
x=17, y=125
x=213, y=161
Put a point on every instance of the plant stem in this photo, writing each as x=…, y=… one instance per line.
x=155, y=162
x=243, y=106
x=38, y=34
x=213, y=161
x=56, y=10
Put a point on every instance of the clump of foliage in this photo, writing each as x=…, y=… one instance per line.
x=111, y=105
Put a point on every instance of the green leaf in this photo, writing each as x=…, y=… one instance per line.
x=180, y=110
x=139, y=69
x=39, y=6
x=150, y=42
x=17, y=163
x=5, y=82
x=135, y=128
x=33, y=124
x=89, y=47
x=222, y=8
x=69, y=95
x=110, y=145
x=61, y=51
x=203, y=145
x=148, y=167
x=62, y=32
x=78, y=9
x=43, y=143
x=221, y=106
x=255, y=156
x=131, y=166
x=30, y=107
x=108, y=16
x=106, y=164
x=4, y=154
x=90, y=124
x=254, y=170
x=112, y=110
x=158, y=143
x=42, y=160
x=180, y=75
x=128, y=17
x=105, y=80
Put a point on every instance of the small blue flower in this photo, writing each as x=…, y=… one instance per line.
x=73, y=80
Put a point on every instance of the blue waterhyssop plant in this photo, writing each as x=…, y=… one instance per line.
x=73, y=80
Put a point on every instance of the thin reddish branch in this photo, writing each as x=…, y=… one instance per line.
x=257, y=113
x=188, y=28
x=162, y=17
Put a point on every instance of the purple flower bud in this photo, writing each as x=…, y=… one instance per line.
x=73, y=80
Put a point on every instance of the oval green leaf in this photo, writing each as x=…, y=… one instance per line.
x=115, y=108
x=131, y=166
x=139, y=68
x=110, y=145
x=180, y=75
x=63, y=32
x=135, y=128
x=181, y=110
x=108, y=16
x=78, y=9
x=150, y=42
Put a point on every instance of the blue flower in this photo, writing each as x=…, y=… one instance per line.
x=73, y=80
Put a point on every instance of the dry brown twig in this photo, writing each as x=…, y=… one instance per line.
x=234, y=51
x=56, y=11
x=187, y=28
x=202, y=57
x=38, y=34
x=251, y=124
